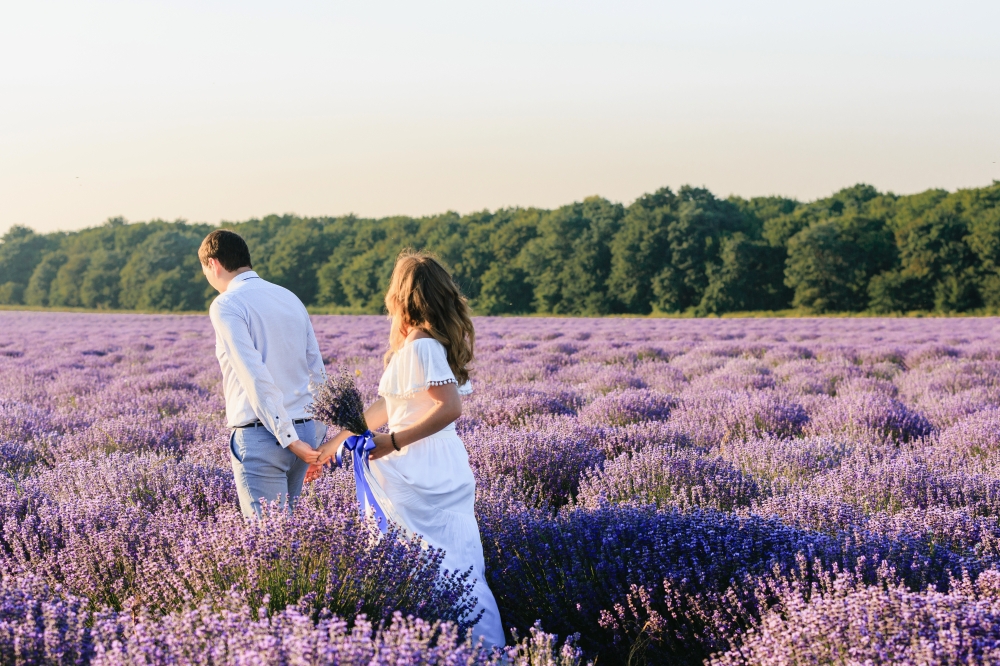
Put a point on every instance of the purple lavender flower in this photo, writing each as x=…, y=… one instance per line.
x=658, y=476
x=620, y=408
x=846, y=621
x=792, y=451
x=338, y=402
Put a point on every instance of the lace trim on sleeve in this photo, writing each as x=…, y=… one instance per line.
x=416, y=367
x=464, y=389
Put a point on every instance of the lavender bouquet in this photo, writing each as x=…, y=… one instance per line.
x=338, y=402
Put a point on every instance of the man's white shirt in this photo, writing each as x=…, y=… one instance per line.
x=266, y=346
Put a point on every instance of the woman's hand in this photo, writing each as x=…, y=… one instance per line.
x=329, y=448
x=383, y=447
x=326, y=452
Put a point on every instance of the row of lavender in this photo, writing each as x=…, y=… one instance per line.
x=742, y=491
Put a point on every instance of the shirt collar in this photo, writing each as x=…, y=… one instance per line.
x=241, y=278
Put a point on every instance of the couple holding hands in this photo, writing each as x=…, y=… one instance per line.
x=272, y=367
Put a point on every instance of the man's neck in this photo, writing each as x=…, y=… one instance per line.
x=232, y=276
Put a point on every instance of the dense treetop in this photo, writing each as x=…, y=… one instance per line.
x=677, y=252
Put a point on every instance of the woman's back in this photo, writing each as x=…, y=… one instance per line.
x=429, y=482
x=415, y=367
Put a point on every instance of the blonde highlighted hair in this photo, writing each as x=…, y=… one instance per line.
x=422, y=294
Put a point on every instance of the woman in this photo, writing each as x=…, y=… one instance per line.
x=421, y=465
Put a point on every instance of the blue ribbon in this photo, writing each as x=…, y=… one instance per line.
x=360, y=447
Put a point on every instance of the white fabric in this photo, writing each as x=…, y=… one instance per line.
x=429, y=483
x=271, y=364
x=417, y=366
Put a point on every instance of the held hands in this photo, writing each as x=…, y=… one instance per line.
x=305, y=452
x=325, y=453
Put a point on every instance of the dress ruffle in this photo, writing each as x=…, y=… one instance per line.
x=417, y=366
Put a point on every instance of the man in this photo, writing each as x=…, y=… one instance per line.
x=271, y=365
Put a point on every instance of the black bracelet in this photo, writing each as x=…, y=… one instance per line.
x=392, y=436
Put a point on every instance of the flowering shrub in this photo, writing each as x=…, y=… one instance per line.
x=851, y=623
x=673, y=491
x=541, y=464
x=722, y=416
x=863, y=413
x=658, y=476
x=627, y=406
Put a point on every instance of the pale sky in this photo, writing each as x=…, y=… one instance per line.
x=214, y=111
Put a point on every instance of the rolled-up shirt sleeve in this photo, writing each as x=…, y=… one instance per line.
x=265, y=398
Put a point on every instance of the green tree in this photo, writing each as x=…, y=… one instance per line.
x=42, y=278
x=504, y=286
x=295, y=258
x=65, y=289
x=102, y=280
x=983, y=213
x=164, y=272
x=505, y=289
x=11, y=293
x=329, y=290
x=831, y=262
x=640, y=249
x=779, y=229
x=683, y=252
x=937, y=268
x=758, y=211
x=694, y=239
x=21, y=249
x=748, y=277
x=365, y=279
x=568, y=262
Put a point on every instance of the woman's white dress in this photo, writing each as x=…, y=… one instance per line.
x=429, y=483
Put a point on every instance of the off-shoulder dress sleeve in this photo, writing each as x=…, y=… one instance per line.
x=416, y=367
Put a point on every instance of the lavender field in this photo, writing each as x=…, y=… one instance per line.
x=802, y=491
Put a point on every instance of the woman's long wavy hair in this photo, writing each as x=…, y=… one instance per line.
x=422, y=294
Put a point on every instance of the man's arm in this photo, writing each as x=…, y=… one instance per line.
x=265, y=398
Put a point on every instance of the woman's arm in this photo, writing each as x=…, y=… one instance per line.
x=446, y=409
x=376, y=416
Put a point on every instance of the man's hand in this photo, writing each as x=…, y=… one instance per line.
x=305, y=452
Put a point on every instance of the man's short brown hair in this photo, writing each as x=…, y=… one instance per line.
x=226, y=246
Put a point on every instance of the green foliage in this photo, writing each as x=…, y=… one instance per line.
x=11, y=293
x=101, y=281
x=694, y=238
x=20, y=251
x=779, y=229
x=164, y=272
x=493, y=275
x=40, y=284
x=831, y=262
x=569, y=261
x=639, y=248
x=65, y=289
x=984, y=240
x=749, y=276
x=683, y=252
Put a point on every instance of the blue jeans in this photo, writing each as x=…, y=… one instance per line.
x=265, y=470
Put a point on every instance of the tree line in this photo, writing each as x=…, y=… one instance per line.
x=672, y=252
